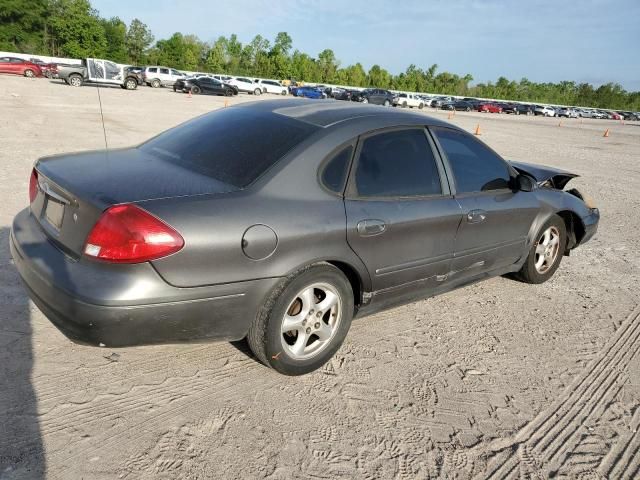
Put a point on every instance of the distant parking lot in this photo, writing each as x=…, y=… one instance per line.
x=494, y=377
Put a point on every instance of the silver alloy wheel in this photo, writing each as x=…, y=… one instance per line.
x=365, y=100
x=75, y=81
x=547, y=249
x=29, y=73
x=131, y=85
x=311, y=321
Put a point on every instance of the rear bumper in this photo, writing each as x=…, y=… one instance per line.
x=124, y=305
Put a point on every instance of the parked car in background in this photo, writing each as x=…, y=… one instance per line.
x=19, y=66
x=517, y=108
x=310, y=92
x=615, y=116
x=345, y=94
x=199, y=234
x=489, y=107
x=544, y=111
x=243, y=84
x=49, y=69
x=376, y=96
x=210, y=86
x=408, y=100
x=161, y=76
x=460, y=105
x=567, y=112
x=269, y=86
x=437, y=102
x=97, y=71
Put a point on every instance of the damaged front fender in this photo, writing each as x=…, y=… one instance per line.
x=553, y=177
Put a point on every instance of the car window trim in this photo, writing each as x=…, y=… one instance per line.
x=353, y=143
x=351, y=191
x=445, y=160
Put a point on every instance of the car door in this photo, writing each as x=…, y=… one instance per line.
x=113, y=73
x=5, y=65
x=401, y=217
x=496, y=218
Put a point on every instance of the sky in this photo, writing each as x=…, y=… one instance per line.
x=594, y=41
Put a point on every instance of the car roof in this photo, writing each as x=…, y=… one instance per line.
x=326, y=113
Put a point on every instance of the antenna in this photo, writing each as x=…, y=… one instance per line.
x=104, y=131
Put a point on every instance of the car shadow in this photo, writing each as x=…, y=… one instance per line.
x=21, y=446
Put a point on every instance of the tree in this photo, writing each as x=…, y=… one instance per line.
x=137, y=40
x=115, y=31
x=76, y=29
x=22, y=25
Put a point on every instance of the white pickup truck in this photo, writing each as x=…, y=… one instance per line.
x=408, y=100
x=94, y=70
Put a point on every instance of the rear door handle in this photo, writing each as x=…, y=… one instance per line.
x=476, y=216
x=370, y=227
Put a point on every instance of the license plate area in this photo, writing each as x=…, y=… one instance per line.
x=54, y=212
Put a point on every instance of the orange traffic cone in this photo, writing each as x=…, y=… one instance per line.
x=190, y=95
x=226, y=103
x=560, y=123
x=477, y=132
x=606, y=133
x=449, y=116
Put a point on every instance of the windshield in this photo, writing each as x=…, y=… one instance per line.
x=232, y=145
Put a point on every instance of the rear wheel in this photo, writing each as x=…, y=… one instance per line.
x=404, y=104
x=387, y=103
x=29, y=73
x=75, y=80
x=546, y=253
x=257, y=91
x=304, y=320
x=283, y=93
x=468, y=109
x=421, y=106
x=365, y=100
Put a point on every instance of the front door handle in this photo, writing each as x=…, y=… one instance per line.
x=476, y=216
x=370, y=227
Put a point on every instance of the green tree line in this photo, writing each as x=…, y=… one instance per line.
x=73, y=28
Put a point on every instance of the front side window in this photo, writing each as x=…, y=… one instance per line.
x=175, y=72
x=475, y=166
x=153, y=70
x=399, y=163
x=164, y=71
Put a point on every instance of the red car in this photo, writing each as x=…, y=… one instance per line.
x=489, y=107
x=18, y=66
x=49, y=70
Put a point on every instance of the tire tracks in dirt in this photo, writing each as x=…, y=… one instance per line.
x=542, y=447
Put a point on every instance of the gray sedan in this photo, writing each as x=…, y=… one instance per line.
x=280, y=221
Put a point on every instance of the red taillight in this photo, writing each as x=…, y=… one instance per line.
x=33, y=185
x=129, y=234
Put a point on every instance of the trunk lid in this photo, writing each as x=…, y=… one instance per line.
x=74, y=189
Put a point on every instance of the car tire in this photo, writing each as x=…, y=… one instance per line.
x=544, y=257
x=75, y=80
x=421, y=106
x=404, y=104
x=257, y=91
x=365, y=100
x=295, y=299
x=195, y=90
x=283, y=93
x=29, y=73
x=155, y=83
x=468, y=109
x=130, y=84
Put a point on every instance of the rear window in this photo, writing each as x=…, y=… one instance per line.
x=232, y=145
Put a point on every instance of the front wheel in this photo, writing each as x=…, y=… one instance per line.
x=421, y=106
x=155, y=83
x=365, y=100
x=130, y=84
x=228, y=92
x=257, y=91
x=195, y=90
x=304, y=321
x=468, y=109
x=283, y=93
x=546, y=252
x=29, y=73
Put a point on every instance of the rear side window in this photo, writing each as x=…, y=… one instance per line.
x=164, y=71
x=335, y=171
x=216, y=144
x=475, y=166
x=397, y=164
x=153, y=70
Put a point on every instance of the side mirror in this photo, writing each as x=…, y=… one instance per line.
x=525, y=183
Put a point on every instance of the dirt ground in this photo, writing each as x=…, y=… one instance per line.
x=497, y=380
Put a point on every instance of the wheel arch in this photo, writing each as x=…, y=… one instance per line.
x=575, y=228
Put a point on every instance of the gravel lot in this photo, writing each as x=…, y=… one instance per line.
x=497, y=380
